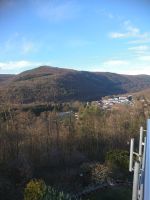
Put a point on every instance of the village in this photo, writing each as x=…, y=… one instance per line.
x=108, y=103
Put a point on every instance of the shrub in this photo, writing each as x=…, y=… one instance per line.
x=118, y=162
x=52, y=194
x=35, y=190
x=94, y=173
x=118, y=158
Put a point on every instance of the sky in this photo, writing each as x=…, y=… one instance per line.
x=89, y=35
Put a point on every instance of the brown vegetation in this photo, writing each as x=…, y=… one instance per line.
x=53, y=147
x=46, y=84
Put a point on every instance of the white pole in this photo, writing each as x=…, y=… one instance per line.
x=135, y=181
x=141, y=192
x=147, y=164
x=142, y=172
x=144, y=154
x=131, y=155
x=140, y=144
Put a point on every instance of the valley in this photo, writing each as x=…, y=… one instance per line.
x=68, y=143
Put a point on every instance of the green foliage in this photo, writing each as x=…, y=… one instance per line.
x=90, y=110
x=52, y=194
x=118, y=162
x=35, y=190
x=119, y=158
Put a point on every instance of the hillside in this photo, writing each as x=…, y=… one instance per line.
x=44, y=84
x=144, y=94
x=5, y=78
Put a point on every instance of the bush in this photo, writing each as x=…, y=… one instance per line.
x=94, y=173
x=52, y=194
x=118, y=158
x=118, y=162
x=37, y=190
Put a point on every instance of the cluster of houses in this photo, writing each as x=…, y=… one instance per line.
x=103, y=103
x=108, y=103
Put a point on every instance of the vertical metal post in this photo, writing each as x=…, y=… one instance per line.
x=131, y=155
x=141, y=157
x=141, y=192
x=144, y=154
x=140, y=144
x=135, y=181
x=142, y=172
x=147, y=164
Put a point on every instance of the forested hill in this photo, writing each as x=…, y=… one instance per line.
x=44, y=84
x=5, y=78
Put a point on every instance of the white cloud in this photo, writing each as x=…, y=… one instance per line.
x=141, y=69
x=136, y=58
x=135, y=65
x=130, y=28
x=116, y=35
x=145, y=58
x=132, y=32
x=129, y=31
x=115, y=63
x=140, y=48
x=143, y=40
x=19, y=66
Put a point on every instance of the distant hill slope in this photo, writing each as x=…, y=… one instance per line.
x=5, y=78
x=44, y=84
x=144, y=94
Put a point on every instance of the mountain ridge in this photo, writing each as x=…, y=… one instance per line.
x=46, y=84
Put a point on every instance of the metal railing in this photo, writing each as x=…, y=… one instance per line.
x=140, y=165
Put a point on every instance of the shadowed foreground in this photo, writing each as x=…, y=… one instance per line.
x=119, y=193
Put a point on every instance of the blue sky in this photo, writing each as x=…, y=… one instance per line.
x=93, y=35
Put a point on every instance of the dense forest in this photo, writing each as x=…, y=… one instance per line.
x=65, y=146
x=50, y=84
